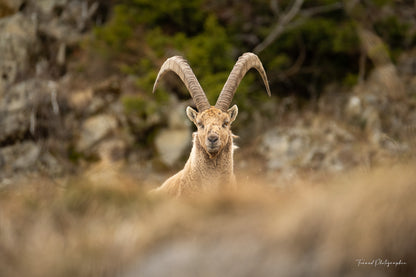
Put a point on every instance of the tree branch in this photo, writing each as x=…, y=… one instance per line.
x=280, y=27
x=283, y=23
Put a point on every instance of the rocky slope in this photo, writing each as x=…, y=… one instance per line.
x=53, y=122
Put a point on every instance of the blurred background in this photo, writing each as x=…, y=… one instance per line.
x=76, y=82
x=325, y=165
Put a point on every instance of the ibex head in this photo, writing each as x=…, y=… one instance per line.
x=213, y=122
x=213, y=127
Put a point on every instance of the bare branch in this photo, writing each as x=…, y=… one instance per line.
x=322, y=9
x=280, y=27
x=284, y=24
x=274, y=6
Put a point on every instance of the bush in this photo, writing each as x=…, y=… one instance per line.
x=314, y=51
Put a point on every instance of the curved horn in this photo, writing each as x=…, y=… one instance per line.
x=181, y=67
x=245, y=63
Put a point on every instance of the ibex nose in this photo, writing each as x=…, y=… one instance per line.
x=213, y=138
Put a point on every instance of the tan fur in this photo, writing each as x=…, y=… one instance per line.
x=210, y=165
x=206, y=170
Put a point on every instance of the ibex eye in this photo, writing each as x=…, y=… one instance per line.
x=201, y=125
x=225, y=124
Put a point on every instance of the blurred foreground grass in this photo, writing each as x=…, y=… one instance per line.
x=88, y=228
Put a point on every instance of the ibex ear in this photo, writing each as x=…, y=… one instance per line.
x=192, y=114
x=233, y=111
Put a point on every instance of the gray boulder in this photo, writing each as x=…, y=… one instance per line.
x=22, y=156
x=18, y=43
x=94, y=130
x=19, y=107
x=172, y=141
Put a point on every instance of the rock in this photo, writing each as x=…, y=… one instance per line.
x=171, y=143
x=47, y=6
x=79, y=100
x=50, y=164
x=95, y=129
x=67, y=25
x=363, y=110
x=107, y=171
x=177, y=118
x=18, y=42
x=175, y=139
x=21, y=156
x=387, y=81
x=19, y=107
x=15, y=111
x=354, y=107
x=283, y=147
x=35, y=38
x=112, y=150
x=25, y=158
x=320, y=145
x=95, y=99
x=373, y=125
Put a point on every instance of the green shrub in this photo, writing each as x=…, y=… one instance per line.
x=211, y=34
x=394, y=33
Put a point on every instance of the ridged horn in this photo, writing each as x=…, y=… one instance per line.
x=181, y=67
x=244, y=63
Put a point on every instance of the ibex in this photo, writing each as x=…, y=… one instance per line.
x=210, y=164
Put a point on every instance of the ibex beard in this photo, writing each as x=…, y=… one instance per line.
x=210, y=165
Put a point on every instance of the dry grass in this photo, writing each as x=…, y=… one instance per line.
x=89, y=229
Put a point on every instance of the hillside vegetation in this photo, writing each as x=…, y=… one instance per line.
x=325, y=167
